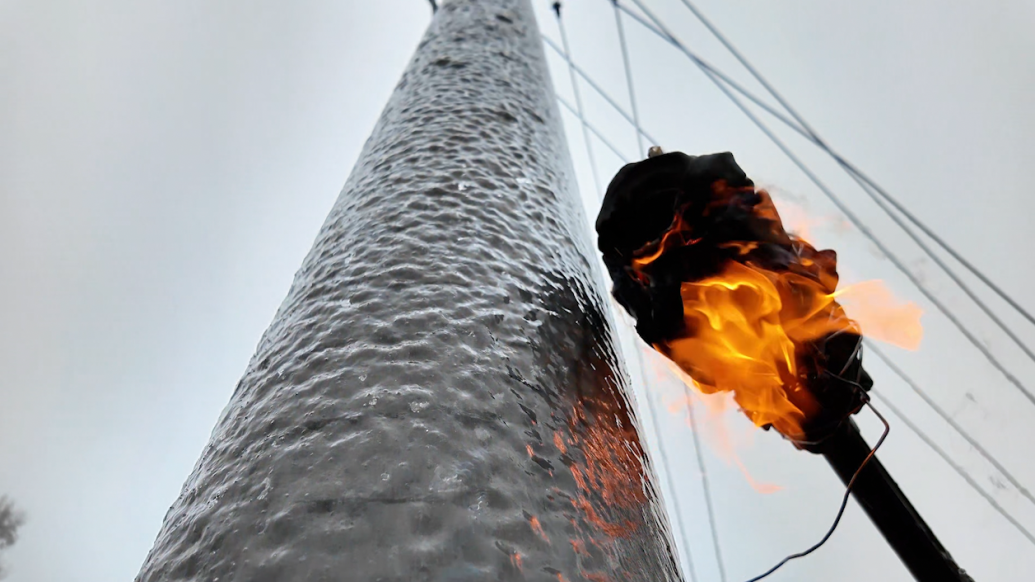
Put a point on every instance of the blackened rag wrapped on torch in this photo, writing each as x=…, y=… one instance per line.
x=678, y=232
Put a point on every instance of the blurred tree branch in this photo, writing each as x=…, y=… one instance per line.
x=10, y=520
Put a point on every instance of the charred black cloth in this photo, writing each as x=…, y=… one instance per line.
x=639, y=206
x=714, y=202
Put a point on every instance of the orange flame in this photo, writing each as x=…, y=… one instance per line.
x=747, y=326
x=713, y=425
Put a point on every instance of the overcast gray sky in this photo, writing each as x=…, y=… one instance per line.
x=165, y=166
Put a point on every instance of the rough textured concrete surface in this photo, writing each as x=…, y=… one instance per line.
x=439, y=397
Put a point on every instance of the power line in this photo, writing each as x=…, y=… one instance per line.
x=668, y=468
x=948, y=419
x=848, y=166
x=948, y=271
x=955, y=467
x=894, y=368
x=600, y=91
x=662, y=30
x=747, y=65
x=686, y=388
x=895, y=261
x=586, y=127
x=578, y=97
x=869, y=187
x=629, y=78
x=696, y=441
x=592, y=129
x=859, y=177
x=704, y=482
x=866, y=183
x=934, y=236
x=718, y=73
x=878, y=192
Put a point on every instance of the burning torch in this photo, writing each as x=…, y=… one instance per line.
x=700, y=258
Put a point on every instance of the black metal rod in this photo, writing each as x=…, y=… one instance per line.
x=890, y=510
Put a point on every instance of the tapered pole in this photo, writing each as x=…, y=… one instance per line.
x=439, y=396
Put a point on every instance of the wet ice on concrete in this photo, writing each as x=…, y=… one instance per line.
x=438, y=397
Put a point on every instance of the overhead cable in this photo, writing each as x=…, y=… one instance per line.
x=866, y=183
x=704, y=483
x=629, y=80
x=1027, y=494
x=591, y=128
x=852, y=217
x=955, y=467
x=878, y=192
x=578, y=97
x=684, y=533
x=951, y=422
x=600, y=91
x=700, y=62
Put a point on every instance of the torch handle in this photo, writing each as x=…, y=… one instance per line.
x=890, y=510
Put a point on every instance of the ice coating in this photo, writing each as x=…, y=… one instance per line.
x=438, y=397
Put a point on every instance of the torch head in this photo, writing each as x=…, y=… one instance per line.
x=699, y=257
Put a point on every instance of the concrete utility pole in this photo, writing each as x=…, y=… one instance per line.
x=439, y=397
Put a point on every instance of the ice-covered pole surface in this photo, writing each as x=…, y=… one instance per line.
x=439, y=396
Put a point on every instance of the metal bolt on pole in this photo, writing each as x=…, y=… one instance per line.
x=439, y=396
